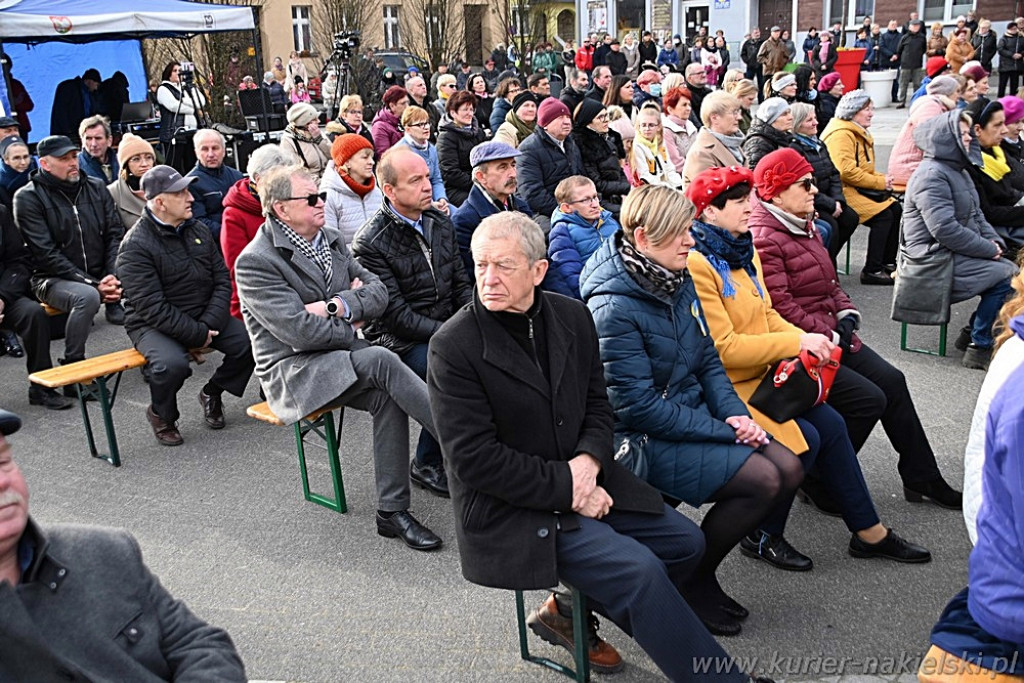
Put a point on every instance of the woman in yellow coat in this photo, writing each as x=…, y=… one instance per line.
x=852, y=149
x=750, y=337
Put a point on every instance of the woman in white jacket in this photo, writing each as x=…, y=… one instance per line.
x=352, y=193
x=178, y=104
x=650, y=162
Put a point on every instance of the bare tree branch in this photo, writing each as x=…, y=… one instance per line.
x=434, y=29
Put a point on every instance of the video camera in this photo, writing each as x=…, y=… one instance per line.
x=345, y=42
x=187, y=73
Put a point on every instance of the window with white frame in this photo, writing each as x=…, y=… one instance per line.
x=853, y=10
x=520, y=19
x=301, y=28
x=945, y=11
x=391, y=36
x=433, y=25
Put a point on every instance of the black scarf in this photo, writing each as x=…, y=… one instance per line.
x=647, y=272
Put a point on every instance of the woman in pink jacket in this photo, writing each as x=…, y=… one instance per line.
x=906, y=155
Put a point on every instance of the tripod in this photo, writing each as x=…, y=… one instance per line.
x=340, y=63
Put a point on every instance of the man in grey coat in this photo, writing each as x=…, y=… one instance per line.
x=304, y=298
x=79, y=604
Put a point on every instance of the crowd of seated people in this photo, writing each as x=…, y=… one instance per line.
x=705, y=252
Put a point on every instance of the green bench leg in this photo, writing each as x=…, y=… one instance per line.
x=942, y=342
x=323, y=427
x=579, y=631
x=847, y=271
x=105, y=397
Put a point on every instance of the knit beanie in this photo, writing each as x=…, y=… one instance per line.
x=522, y=98
x=345, y=147
x=13, y=140
x=828, y=81
x=549, y=110
x=771, y=109
x=302, y=114
x=586, y=111
x=1013, y=107
x=777, y=171
x=851, y=103
x=131, y=145
x=942, y=85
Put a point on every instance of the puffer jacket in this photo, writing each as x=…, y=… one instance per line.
x=454, y=143
x=174, y=280
x=999, y=198
x=571, y=242
x=762, y=140
x=242, y=218
x=664, y=377
x=957, y=54
x=985, y=48
x=426, y=280
x=344, y=210
x=942, y=210
x=799, y=275
x=209, y=192
x=601, y=164
x=826, y=176
x=825, y=106
x=387, y=130
x=542, y=166
x=72, y=236
x=906, y=155
x=852, y=149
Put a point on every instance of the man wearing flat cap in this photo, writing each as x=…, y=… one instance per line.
x=772, y=55
x=72, y=227
x=79, y=604
x=178, y=293
x=8, y=127
x=494, y=185
x=411, y=247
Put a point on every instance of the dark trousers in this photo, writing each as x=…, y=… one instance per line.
x=985, y=314
x=884, y=238
x=756, y=73
x=630, y=566
x=1011, y=79
x=842, y=228
x=26, y=317
x=867, y=388
x=169, y=366
x=428, y=451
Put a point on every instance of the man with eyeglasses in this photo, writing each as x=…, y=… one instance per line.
x=697, y=83
x=304, y=300
x=173, y=273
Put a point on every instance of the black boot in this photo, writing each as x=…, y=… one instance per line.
x=11, y=346
x=936, y=491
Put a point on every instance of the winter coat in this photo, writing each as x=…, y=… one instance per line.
x=937, y=45
x=830, y=59
x=600, y=158
x=174, y=281
x=906, y=155
x=585, y=58
x=665, y=379
x=507, y=432
x=679, y=137
x=243, y=216
x=501, y=109
x=68, y=242
x=648, y=52
x=749, y=335
x=177, y=108
x=810, y=45
x=749, y=50
x=942, y=210
x=387, y=131
x=130, y=206
x=11, y=181
x=984, y=48
x=911, y=50
x=93, y=167
x=484, y=107
x=632, y=60
x=313, y=154
x=424, y=276
x=668, y=57
x=208, y=194
x=999, y=200
x=853, y=152
x=826, y=175
x=773, y=56
x=137, y=631
x=1007, y=47
x=476, y=208
x=344, y=210
x=542, y=166
x=799, y=275
x=364, y=132
x=762, y=140
x=706, y=152
x=617, y=62
x=571, y=242
x=888, y=45
x=651, y=169
x=957, y=54
x=15, y=262
x=454, y=143
x=429, y=155
x=826, y=109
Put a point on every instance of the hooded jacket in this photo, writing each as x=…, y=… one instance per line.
x=571, y=242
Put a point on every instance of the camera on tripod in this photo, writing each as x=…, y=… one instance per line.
x=187, y=73
x=345, y=42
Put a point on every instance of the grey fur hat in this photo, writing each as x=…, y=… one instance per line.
x=851, y=103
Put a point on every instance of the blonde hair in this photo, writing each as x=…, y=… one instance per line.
x=349, y=102
x=1013, y=307
x=564, y=189
x=741, y=88
x=672, y=80
x=717, y=104
x=662, y=212
x=443, y=80
x=413, y=115
x=732, y=76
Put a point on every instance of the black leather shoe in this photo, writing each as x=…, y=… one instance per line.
x=879, y=278
x=11, y=345
x=889, y=268
x=937, y=491
x=115, y=314
x=721, y=624
x=404, y=526
x=892, y=547
x=976, y=357
x=165, y=432
x=776, y=551
x=48, y=398
x=963, y=339
x=430, y=477
x=813, y=493
x=213, y=410
x=734, y=609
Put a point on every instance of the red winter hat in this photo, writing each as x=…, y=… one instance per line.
x=345, y=147
x=549, y=110
x=713, y=182
x=935, y=66
x=778, y=171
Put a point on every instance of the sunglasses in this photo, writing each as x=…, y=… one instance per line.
x=311, y=199
x=806, y=183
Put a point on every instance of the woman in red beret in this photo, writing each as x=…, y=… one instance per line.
x=751, y=337
x=804, y=289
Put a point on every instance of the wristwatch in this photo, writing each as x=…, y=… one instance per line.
x=334, y=307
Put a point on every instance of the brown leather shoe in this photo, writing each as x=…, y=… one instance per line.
x=548, y=623
x=213, y=410
x=165, y=432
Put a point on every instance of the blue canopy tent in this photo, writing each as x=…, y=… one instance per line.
x=53, y=40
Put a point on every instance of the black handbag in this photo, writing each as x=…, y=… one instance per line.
x=875, y=195
x=924, y=287
x=630, y=454
x=795, y=385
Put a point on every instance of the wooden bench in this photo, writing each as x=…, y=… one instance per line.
x=51, y=311
x=321, y=423
x=90, y=377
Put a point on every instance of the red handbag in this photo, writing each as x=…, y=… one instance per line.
x=795, y=385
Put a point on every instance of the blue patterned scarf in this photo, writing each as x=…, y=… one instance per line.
x=726, y=253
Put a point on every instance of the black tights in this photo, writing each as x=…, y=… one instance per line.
x=767, y=477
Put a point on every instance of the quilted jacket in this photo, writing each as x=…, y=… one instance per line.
x=571, y=242
x=853, y=152
x=762, y=140
x=542, y=166
x=826, y=176
x=425, y=278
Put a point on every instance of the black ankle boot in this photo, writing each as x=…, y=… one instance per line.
x=936, y=491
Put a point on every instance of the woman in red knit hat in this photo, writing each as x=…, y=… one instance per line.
x=352, y=192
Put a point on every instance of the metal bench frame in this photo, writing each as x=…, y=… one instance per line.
x=581, y=656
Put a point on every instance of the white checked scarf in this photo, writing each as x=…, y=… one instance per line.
x=319, y=252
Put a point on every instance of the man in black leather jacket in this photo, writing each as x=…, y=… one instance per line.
x=412, y=248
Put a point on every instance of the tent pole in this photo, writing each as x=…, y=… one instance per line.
x=7, y=106
x=258, y=53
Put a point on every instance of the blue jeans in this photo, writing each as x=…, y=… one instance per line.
x=428, y=451
x=986, y=313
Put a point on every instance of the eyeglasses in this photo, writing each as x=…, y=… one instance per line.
x=593, y=199
x=806, y=183
x=421, y=124
x=653, y=124
x=448, y=85
x=353, y=112
x=601, y=117
x=311, y=199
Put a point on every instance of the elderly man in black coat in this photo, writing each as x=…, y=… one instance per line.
x=518, y=397
x=178, y=293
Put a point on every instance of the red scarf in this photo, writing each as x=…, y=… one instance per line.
x=359, y=189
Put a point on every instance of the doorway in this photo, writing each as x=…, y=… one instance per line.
x=694, y=17
x=775, y=13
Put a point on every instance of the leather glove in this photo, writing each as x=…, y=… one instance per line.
x=845, y=329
